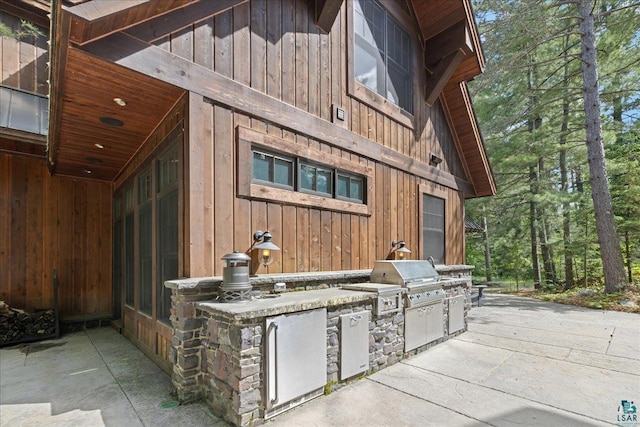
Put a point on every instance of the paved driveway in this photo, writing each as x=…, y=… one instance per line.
x=522, y=362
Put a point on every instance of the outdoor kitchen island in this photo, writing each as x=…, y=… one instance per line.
x=252, y=360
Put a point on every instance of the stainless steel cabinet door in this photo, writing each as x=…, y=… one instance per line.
x=296, y=355
x=456, y=313
x=354, y=344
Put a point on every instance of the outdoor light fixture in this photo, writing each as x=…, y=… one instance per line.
x=399, y=250
x=435, y=160
x=264, y=248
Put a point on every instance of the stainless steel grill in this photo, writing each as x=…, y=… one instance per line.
x=423, y=298
x=419, y=278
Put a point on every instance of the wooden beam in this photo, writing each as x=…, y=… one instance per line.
x=60, y=22
x=455, y=38
x=165, y=66
x=35, y=13
x=23, y=147
x=156, y=28
x=475, y=34
x=441, y=75
x=99, y=18
x=326, y=13
x=454, y=14
x=97, y=9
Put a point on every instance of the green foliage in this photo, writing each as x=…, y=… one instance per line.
x=26, y=29
x=530, y=109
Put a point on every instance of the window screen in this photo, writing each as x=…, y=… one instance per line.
x=433, y=223
x=382, y=54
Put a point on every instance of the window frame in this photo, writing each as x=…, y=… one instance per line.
x=275, y=156
x=432, y=191
x=370, y=97
x=246, y=187
x=350, y=176
x=332, y=171
x=129, y=191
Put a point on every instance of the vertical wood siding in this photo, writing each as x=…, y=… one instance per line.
x=50, y=222
x=274, y=47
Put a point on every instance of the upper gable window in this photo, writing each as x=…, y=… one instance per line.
x=382, y=54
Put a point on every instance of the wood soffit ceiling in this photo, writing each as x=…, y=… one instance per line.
x=91, y=135
x=86, y=85
x=91, y=142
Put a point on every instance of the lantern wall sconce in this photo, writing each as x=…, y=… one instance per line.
x=399, y=250
x=434, y=160
x=262, y=248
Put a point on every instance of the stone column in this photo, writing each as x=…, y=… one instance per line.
x=186, y=351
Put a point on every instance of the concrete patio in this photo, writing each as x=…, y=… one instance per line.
x=522, y=362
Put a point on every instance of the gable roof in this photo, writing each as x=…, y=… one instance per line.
x=447, y=24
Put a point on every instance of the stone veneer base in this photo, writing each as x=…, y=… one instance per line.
x=217, y=348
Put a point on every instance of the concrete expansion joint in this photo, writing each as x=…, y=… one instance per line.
x=446, y=407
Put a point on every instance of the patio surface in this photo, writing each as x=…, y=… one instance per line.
x=522, y=362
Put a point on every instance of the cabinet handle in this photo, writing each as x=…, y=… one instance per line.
x=273, y=327
x=355, y=319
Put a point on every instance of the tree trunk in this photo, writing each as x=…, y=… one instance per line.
x=543, y=234
x=614, y=271
x=566, y=223
x=533, y=123
x=533, y=182
x=627, y=250
x=564, y=181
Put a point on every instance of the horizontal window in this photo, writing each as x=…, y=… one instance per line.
x=350, y=187
x=277, y=170
x=285, y=172
x=315, y=179
x=273, y=169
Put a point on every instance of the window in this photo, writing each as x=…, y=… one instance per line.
x=167, y=209
x=282, y=171
x=433, y=223
x=146, y=235
x=273, y=169
x=117, y=277
x=129, y=256
x=316, y=179
x=350, y=187
x=382, y=54
x=276, y=170
x=145, y=243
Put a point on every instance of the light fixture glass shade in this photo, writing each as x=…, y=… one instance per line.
x=401, y=252
x=265, y=248
x=264, y=255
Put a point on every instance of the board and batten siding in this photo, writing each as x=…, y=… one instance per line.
x=54, y=222
x=275, y=48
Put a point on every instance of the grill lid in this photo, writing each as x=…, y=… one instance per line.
x=404, y=272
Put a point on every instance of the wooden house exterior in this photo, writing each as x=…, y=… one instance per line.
x=178, y=128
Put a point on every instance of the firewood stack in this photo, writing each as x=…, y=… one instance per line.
x=17, y=325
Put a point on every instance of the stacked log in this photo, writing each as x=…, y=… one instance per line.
x=17, y=325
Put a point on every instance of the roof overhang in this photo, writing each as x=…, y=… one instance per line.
x=101, y=113
x=84, y=86
x=453, y=56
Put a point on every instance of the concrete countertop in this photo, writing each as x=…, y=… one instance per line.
x=287, y=302
x=341, y=276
